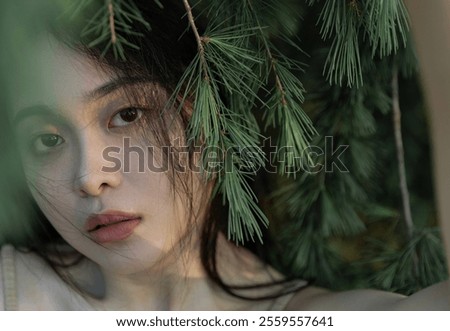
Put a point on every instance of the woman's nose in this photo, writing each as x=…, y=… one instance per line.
x=93, y=176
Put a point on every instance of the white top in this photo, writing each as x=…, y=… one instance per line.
x=9, y=278
x=29, y=283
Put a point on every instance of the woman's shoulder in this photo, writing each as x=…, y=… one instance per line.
x=36, y=285
x=435, y=297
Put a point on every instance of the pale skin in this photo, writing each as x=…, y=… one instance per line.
x=82, y=124
x=64, y=124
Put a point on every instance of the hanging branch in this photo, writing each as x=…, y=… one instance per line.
x=285, y=105
x=355, y=5
x=111, y=25
x=200, y=40
x=400, y=155
x=380, y=23
x=273, y=67
x=222, y=60
x=111, y=22
x=396, y=112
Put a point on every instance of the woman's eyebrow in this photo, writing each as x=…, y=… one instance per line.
x=38, y=110
x=112, y=86
x=99, y=92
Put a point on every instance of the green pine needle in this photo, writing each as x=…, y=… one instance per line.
x=110, y=25
x=386, y=23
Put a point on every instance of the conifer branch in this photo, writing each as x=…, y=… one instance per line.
x=401, y=165
x=354, y=4
x=400, y=155
x=111, y=22
x=200, y=40
x=272, y=60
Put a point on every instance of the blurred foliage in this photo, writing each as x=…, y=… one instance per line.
x=349, y=225
x=19, y=25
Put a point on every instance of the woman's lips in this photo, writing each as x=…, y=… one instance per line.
x=111, y=226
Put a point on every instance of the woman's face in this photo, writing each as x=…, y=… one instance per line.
x=88, y=166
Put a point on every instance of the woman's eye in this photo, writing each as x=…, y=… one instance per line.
x=45, y=142
x=126, y=117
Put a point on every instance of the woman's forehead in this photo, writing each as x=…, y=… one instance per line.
x=54, y=75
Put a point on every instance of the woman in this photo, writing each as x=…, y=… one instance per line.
x=108, y=165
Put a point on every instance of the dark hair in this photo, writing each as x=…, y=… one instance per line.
x=164, y=53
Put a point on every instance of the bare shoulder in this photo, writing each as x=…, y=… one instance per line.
x=435, y=297
x=316, y=298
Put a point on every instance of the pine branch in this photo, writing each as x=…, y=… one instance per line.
x=396, y=112
x=111, y=26
x=222, y=69
x=284, y=106
x=400, y=155
x=349, y=23
x=200, y=40
x=111, y=21
x=273, y=67
x=385, y=21
x=356, y=7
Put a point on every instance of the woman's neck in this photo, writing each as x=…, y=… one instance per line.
x=181, y=284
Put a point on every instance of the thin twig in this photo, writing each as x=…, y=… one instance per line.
x=396, y=113
x=112, y=26
x=273, y=67
x=354, y=4
x=200, y=40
